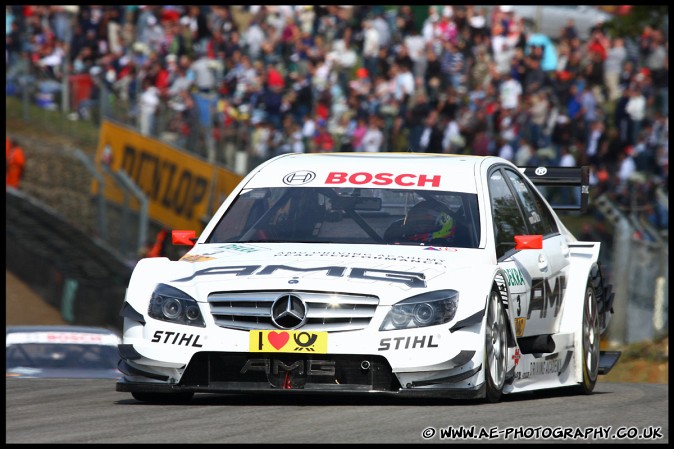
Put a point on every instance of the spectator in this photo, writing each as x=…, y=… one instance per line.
x=510, y=90
x=452, y=140
x=469, y=66
x=260, y=142
x=370, y=47
x=253, y=38
x=323, y=141
x=644, y=155
x=160, y=246
x=525, y=153
x=431, y=135
x=15, y=163
x=535, y=78
x=272, y=99
x=296, y=140
x=373, y=138
x=416, y=48
x=505, y=150
x=149, y=103
x=452, y=65
x=566, y=159
x=612, y=66
x=609, y=150
x=626, y=165
x=204, y=78
x=595, y=142
x=538, y=110
x=308, y=132
x=399, y=138
x=636, y=110
x=358, y=133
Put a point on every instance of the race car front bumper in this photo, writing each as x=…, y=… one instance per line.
x=236, y=372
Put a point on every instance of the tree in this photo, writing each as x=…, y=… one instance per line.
x=639, y=16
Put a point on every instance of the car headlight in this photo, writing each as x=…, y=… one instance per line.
x=175, y=306
x=427, y=309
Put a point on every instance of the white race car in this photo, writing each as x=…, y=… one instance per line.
x=403, y=273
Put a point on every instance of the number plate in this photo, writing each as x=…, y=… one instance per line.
x=289, y=341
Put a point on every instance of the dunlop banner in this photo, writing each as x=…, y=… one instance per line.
x=178, y=185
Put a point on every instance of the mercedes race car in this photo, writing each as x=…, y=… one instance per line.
x=405, y=273
x=61, y=351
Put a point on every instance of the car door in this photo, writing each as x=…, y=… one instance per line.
x=545, y=301
x=522, y=268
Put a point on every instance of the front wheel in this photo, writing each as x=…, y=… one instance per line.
x=496, y=348
x=590, y=341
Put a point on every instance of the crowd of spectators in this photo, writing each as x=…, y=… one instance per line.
x=465, y=79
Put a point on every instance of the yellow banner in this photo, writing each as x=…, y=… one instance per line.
x=180, y=187
x=289, y=341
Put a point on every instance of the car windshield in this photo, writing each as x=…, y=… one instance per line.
x=65, y=356
x=351, y=216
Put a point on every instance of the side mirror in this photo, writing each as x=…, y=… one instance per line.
x=528, y=242
x=186, y=238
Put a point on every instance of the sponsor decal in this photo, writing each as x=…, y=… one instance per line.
x=541, y=367
x=288, y=341
x=176, y=338
x=356, y=255
x=520, y=323
x=502, y=288
x=416, y=342
x=519, y=305
x=297, y=178
x=300, y=367
x=522, y=375
x=412, y=280
x=517, y=356
x=383, y=179
x=440, y=248
x=179, y=186
x=234, y=248
x=74, y=338
x=229, y=248
x=176, y=188
x=60, y=337
x=195, y=258
x=545, y=298
x=514, y=276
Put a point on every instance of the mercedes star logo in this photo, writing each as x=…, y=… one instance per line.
x=288, y=312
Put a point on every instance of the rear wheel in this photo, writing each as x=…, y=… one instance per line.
x=163, y=398
x=590, y=341
x=496, y=348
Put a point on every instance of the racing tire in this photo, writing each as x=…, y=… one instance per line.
x=496, y=348
x=597, y=282
x=163, y=398
x=589, y=340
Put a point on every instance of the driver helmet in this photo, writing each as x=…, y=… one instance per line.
x=428, y=221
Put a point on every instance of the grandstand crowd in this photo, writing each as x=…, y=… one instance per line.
x=323, y=78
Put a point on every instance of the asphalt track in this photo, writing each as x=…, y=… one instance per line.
x=91, y=411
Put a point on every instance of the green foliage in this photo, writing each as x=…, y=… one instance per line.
x=54, y=124
x=632, y=24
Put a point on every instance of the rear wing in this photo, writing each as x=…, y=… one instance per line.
x=565, y=188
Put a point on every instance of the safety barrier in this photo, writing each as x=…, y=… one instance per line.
x=80, y=275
